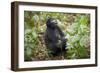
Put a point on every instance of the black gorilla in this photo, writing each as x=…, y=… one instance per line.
x=54, y=38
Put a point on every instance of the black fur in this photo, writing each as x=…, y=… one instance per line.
x=55, y=38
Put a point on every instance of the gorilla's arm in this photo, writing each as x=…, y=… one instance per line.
x=63, y=39
x=60, y=32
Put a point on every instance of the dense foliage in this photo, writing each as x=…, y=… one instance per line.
x=75, y=26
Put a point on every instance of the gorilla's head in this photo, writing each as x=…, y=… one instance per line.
x=52, y=23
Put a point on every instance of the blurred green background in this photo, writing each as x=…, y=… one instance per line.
x=75, y=26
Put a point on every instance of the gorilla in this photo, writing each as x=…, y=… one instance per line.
x=55, y=39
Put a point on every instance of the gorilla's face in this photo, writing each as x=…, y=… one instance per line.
x=52, y=23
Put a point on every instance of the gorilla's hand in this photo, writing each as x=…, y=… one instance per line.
x=64, y=39
x=59, y=43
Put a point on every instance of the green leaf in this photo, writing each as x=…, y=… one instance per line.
x=35, y=18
